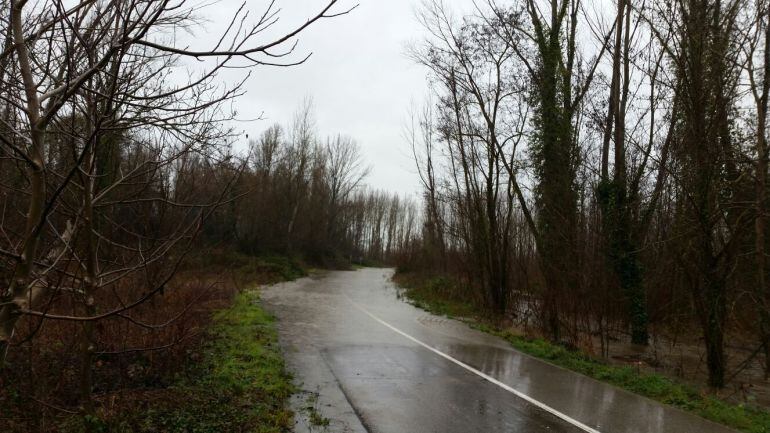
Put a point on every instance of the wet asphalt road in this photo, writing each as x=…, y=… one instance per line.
x=370, y=362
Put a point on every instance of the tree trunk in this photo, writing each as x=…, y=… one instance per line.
x=710, y=302
x=19, y=293
x=90, y=283
x=760, y=222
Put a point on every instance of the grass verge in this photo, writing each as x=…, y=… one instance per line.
x=215, y=368
x=261, y=269
x=430, y=294
x=239, y=385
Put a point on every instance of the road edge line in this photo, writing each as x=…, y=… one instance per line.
x=479, y=373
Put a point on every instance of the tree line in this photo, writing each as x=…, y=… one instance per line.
x=601, y=172
x=301, y=194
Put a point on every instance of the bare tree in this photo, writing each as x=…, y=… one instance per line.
x=758, y=71
x=98, y=132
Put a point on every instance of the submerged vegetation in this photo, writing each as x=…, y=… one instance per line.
x=430, y=294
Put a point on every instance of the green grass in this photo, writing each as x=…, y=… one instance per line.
x=241, y=385
x=311, y=410
x=317, y=419
x=368, y=263
x=261, y=269
x=425, y=294
x=434, y=294
x=284, y=268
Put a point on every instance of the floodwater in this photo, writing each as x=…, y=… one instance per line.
x=369, y=362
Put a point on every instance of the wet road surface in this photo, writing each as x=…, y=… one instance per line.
x=370, y=362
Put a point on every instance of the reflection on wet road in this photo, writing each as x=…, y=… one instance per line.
x=348, y=338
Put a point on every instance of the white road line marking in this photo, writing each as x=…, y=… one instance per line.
x=481, y=374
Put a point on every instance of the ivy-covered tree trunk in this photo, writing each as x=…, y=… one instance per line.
x=555, y=156
x=614, y=194
x=624, y=257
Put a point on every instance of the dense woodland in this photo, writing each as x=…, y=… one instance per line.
x=602, y=171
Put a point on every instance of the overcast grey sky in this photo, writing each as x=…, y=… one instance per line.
x=359, y=77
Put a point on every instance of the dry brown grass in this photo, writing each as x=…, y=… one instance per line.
x=136, y=363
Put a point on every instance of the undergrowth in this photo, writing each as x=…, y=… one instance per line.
x=240, y=385
x=222, y=373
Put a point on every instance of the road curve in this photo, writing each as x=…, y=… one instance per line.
x=370, y=362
